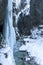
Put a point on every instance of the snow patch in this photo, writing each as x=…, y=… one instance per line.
x=35, y=48
x=6, y=56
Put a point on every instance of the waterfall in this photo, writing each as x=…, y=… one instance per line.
x=9, y=32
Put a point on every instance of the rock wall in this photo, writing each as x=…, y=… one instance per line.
x=36, y=12
x=3, y=5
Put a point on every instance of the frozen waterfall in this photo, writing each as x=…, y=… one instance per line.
x=9, y=32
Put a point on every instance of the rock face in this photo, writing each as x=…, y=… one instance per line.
x=35, y=18
x=3, y=4
x=24, y=25
x=36, y=11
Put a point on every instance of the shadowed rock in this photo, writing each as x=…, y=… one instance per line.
x=24, y=25
x=3, y=5
x=36, y=12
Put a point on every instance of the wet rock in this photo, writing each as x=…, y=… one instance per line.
x=2, y=42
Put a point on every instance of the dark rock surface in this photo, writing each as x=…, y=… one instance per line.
x=3, y=5
x=24, y=25
x=36, y=12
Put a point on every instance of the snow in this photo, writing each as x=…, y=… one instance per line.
x=27, y=59
x=35, y=47
x=6, y=60
x=23, y=48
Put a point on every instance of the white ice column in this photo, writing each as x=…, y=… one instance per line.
x=9, y=31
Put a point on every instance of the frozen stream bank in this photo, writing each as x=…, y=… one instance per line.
x=30, y=50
